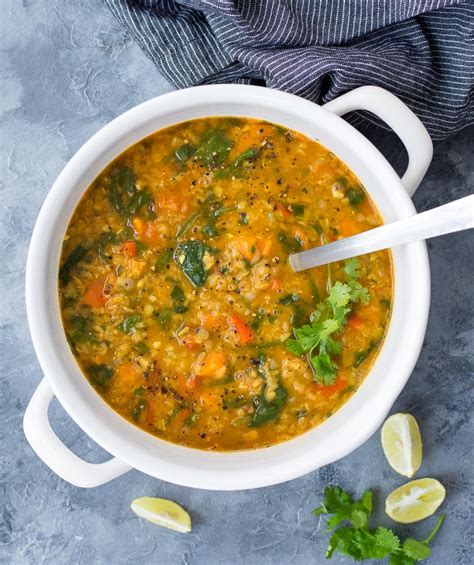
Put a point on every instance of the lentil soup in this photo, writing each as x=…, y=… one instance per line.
x=176, y=294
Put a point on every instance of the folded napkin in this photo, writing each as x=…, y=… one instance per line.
x=421, y=50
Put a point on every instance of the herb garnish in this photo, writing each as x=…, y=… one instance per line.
x=360, y=542
x=316, y=340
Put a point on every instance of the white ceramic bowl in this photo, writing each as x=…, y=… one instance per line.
x=131, y=447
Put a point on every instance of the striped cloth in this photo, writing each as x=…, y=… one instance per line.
x=421, y=50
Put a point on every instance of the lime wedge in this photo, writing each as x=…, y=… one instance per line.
x=163, y=512
x=401, y=442
x=415, y=501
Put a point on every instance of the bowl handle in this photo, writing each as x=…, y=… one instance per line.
x=400, y=118
x=55, y=454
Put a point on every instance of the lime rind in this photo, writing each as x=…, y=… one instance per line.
x=415, y=500
x=162, y=512
x=402, y=445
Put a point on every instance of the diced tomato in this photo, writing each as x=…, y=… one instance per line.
x=244, y=332
x=340, y=384
x=130, y=248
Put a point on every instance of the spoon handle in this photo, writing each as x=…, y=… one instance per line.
x=449, y=218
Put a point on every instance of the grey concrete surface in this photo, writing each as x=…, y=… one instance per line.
x=68, y=68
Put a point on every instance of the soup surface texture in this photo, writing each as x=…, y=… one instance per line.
x=178, y=300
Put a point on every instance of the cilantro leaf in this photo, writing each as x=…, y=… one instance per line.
x=357, y=540
x=416, y=549
x=294, y=347
x=352, y=268
x=359, y=293
x=387, y=538
x=339, y=295
x=340, y=503
x=324, y=369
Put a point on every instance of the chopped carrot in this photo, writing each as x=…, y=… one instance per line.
x=348, y=228
x=275, y=284
x=355, y=322
x=339, y=385
x=243, y=331
x=146, y=230
x=265, y=246
x=283, y=210
x=247, y=246
x=208, y=320
x=130, y=248
x=214, y=365
x=126, y=375
x=94, y=295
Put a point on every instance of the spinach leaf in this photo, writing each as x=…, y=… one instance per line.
x=141, y=347
x=268, y=410
x=139, y=407
x=100, y=375
x=163, y=260
x=178, y=298
x=82, y=330
x=76, y=255
x=257, y=319
x=317, y=227
x=163, y=317
x=189, y=257
x=241, y=163
x=289, y=299
x=184, y=152
x=130, y=322
x=101, y=243
x=355, y=196
x=289, y=243
x=298, y=209
x=124, y=195
x=214, y=148
x=210, y=230
x=361, y=356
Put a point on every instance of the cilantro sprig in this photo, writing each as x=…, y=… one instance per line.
x=358, y=541
x=317, y=340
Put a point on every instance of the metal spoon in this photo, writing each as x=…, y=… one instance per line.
x=449, y=218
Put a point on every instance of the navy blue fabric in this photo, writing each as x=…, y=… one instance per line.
x=421, y=50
